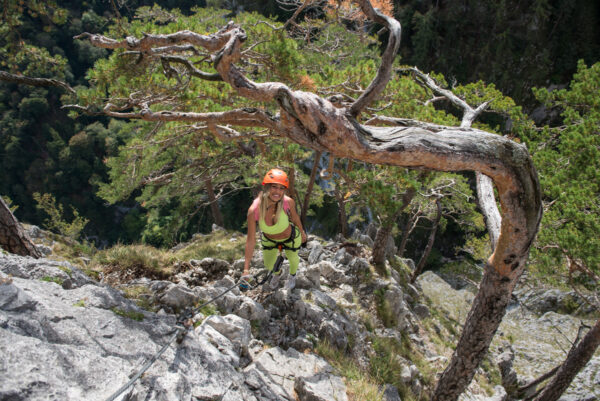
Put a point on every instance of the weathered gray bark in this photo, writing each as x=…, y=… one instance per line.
x=430, y=241
x=489, y=209
x=214, y=204
x=12, y=236
x=32, y=81
x=577, y=358
x=316, y=123
x=292, y=190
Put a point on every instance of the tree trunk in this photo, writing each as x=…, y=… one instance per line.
x=214, y=204
x=292, y=190
x=406, y=230
x=12, y=236
x=577, y=358
x=429, y=247
x=309, y=188
x=343, y=225
x=482, y=322
x=384, y=232
x=489, y=209
x=380, y=242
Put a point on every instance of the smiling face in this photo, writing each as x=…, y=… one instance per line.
x=276, y=192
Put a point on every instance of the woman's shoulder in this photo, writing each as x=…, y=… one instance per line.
x=288, y=200
x=254, y=206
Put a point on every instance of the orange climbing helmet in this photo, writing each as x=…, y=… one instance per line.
x=276, y=176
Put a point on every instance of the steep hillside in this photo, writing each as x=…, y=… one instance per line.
x=346, y=331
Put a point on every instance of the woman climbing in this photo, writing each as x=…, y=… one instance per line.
x=280, y=225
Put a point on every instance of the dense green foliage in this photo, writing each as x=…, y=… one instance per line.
x=515, y=44
x=568, y=158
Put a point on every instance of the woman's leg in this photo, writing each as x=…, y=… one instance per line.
x=269, y=255
x=292, y=256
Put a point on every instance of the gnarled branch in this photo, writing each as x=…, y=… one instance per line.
x=20, y=79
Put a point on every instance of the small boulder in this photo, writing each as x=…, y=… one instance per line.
x=320, y=387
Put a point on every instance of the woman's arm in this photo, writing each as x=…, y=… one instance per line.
x=296, y=219
x=250, y=240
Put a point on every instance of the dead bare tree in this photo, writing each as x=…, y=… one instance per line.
x=316, y=123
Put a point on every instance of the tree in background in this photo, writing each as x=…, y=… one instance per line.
x=515, y=44
x=12, y=236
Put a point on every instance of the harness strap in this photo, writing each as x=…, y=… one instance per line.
x=282, y=244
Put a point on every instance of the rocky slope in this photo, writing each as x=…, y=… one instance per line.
x=65, y=336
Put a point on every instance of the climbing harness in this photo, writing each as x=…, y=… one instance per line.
x=282, y=244
x=182, y=326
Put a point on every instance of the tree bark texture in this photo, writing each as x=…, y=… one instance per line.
x=381, y=238
x=316, y=123
x=309, y=187
x=577, y=358
x=482, y=322
x=23, y=80
x=341, y=211
x=405, y=234
x=385, y=230
x=489, y=209
x=214, y=204
x=430, y=241
x=12, y=236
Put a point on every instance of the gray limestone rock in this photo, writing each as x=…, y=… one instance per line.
x=84, y=343
x=274, y=373
x=342, y=257
x=316, y=250
x=390, y=393
x=320, y=387
x=422, y=311
x=332, y=274
x=178, y=297
x=399, y=308
x=42, y=269
x=251, y=310
x=14, y=299
x=234, y=328
x=309, y=277
x=334, y=332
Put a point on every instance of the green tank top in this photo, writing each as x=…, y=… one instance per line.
x=282, y=224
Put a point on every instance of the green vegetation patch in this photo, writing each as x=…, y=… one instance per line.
x=360, y=384
x=384, y=311
x=138, y=316
x=386, y=365
x=134, y=261
x=80, y=303
x=142, y=296
x=218, y=245
x=51, y=279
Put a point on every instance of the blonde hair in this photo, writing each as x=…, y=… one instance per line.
x=264, y=197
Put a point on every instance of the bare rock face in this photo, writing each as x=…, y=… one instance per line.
x=83, y=343
x=65, y=336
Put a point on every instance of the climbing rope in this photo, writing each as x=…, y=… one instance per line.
x=182, y=326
